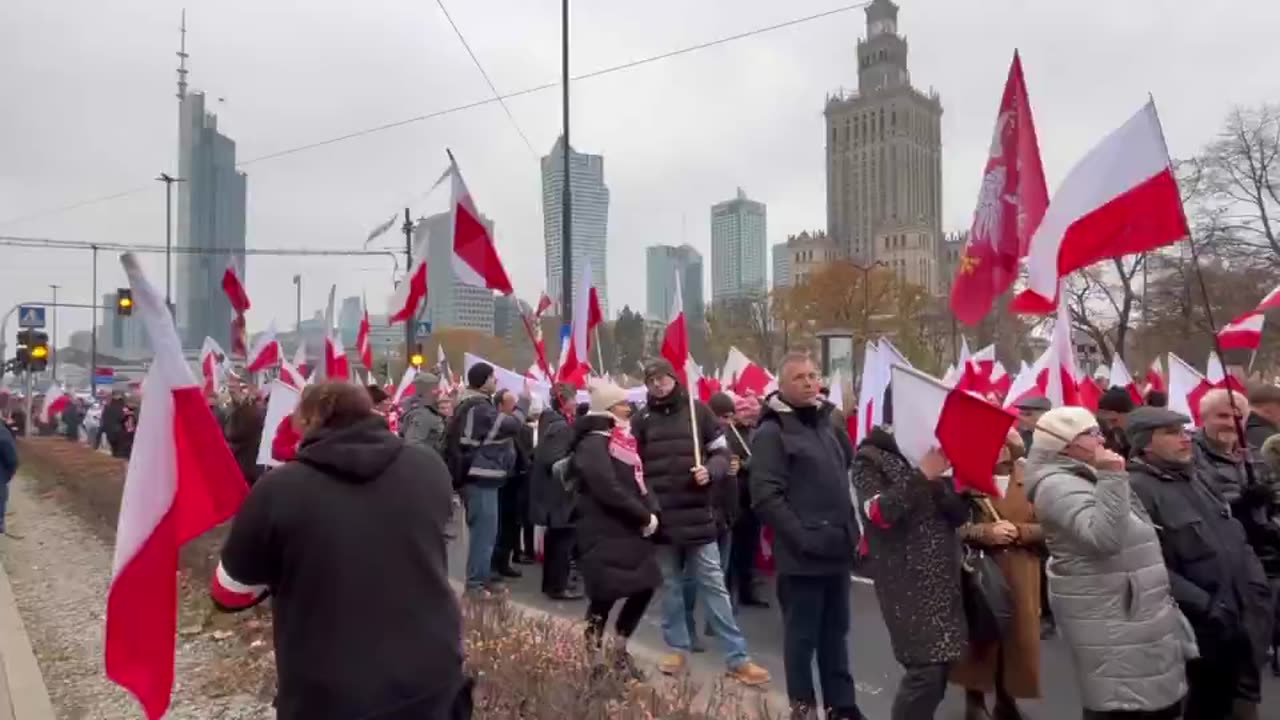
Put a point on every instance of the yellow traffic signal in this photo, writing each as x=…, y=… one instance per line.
x=39, y=352
x=417, y=359
x=124, y=301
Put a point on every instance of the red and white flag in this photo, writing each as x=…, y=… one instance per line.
x=969, y=430
x=1120, y=377
x=362, y=341
x=1011, y=202
x=1089, y=394
x=586, y=315
x=1243, y=333
x=265, y=352
x=411, y=293
x=743, y=376
x=675, y=342
x=1121, y=198
x=211, y=362
x=406, y=384
x=1270, y=302
x=336, y=366
x=1023, y=386
x=300, y=358
x=56, y=400
x=1154, y=379
x=1184, y=380
x=1060, y=375
x=871, y=394
x=544, y=303
x=475, y=255
x=182, y=480
x=239, y=338
x=234, y=289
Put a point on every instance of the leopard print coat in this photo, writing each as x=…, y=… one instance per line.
x=911, y=526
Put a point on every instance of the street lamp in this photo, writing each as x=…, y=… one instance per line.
x=866, y=293
x=168, y=181
x=54, y=362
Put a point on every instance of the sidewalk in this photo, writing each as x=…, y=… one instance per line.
x=23, y=695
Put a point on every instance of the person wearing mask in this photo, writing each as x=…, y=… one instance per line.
x=741, y=576
x=617, y=517
x=682, y=476
x=728, y=498
x=348, y=543
x=8, y=467
x=1113, y=408
x=1130, y=657
x=510, y=509
x=1030, y=410
x=1264, y=414
x=552, y=500
x=1216, y=578
x=800, y=487
x=1005, y=526
x=911, y=516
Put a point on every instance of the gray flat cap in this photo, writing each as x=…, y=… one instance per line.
x=1144, y=421
x=1037, y=402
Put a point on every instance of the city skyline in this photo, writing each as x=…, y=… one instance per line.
x=589, y=208
x=662, y=264
x=739, y=255
x=743, y=113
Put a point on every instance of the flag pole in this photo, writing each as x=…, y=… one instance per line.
x=599, y=352
x=693, y=425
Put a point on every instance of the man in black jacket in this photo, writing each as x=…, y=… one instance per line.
x=681, y=467
x=1264, y=414
x=1215, y=576
x=800, y=487
x=550, y=501
x=470, y=425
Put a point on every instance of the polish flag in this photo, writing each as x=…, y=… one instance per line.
x=55, y=401
x=675, y=341
x=475, y=256
x=1120, y=377
x=1011, y=202
x=969, y=430
x=1155, y=376
x=362, y=341
x=871, y=395
x=336, y=366
x=211, y=359
x=1089, y=394
x=292, y=376
x=585, y=310
x=1243, y=333
x=265, y=352
x=1023, y=386
x=411, y=293
x=300, y=358
x=182, y=480
x=234, y=289
x=239, y=343
x=1121, y=198
x=1184, y=380
x=1061, y=375
x=406, y=384
x=544, y=303
x=743, y=376
x=1270, y=302
x=1001, y=380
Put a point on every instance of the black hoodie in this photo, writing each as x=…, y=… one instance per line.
x=349, y=539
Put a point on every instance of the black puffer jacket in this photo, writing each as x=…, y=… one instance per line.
x=616, y=559
x=665, y=438
x=550, y=505
x=350, y=542
x=1256, y=505
x=800, y=487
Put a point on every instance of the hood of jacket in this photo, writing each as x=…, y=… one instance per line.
x=471, y=394
x=1043, y=463
x=777, y=408
x=357, y=453
x=592, y=422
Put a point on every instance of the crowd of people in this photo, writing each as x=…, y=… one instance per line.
x=1151, y=550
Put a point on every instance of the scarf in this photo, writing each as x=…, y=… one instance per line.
x=623, y=448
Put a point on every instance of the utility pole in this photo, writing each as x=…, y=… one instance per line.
x=168, y=181
x=53, y=346
x=566, y=206
x=297, y=283
x=408, y=265
x=93, y=332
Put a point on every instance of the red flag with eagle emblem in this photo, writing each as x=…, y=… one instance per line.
x=1011, y=202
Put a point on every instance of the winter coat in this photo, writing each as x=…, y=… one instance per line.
x=800, y=488
x=1216, y=578
x=665, y=439
x=350, y=542
x=423, y=425
x=471, y=422
x=8, y=458
x=112, y=419
x=730, y=489
x=613, y=510
x=914, y=552
x=550, y=504
x=1256, y=505
x=244, y=435
x=1257, y=429
x=1109, y=588
x=1020, y=565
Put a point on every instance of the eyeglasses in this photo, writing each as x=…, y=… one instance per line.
x=1091, y=432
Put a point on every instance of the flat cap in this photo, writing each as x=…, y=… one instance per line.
x=1144, y=421
x=1035, y=402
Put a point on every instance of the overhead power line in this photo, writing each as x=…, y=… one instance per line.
x=469, y=106
x=51, y=244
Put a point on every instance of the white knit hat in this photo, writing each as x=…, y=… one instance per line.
x=605, y=395
x=1058, y=427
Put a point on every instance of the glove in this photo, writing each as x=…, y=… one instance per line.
x=651, y=528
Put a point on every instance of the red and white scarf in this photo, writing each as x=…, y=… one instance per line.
x=622, y=447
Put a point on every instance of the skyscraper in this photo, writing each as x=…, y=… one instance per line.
x=211, y=222
x=449, y=302
x=349, y=314
x=122, y=337
x=781, y=265
x=590, y=219
x=884, y=160
x=662, y=263
x=738, y=268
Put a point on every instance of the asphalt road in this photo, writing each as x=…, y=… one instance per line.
x=874, y=668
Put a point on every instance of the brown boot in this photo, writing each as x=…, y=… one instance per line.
x=749, y=674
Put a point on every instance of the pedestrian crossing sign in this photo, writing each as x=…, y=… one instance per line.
x=30, y=316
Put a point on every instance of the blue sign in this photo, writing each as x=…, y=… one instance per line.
x=31, y=316
x=424, y=327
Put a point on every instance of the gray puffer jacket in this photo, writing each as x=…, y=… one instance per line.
x=1109, y=588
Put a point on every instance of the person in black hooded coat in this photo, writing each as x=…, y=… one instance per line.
x=617, y=515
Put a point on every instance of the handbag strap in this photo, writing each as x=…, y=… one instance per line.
x=990, y=508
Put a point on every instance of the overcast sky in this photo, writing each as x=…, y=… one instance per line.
x=89, y=109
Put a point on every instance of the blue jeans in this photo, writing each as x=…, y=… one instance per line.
x=482, y=528
x=691, y=584
x=702, y=562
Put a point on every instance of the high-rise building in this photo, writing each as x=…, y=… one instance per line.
x=123, y=337
x=738, y=229
x=807, y=253
x=662, y=264
x=781, y=265
x=450, y=304
x=349, y=314
x=884, y=160
x=590, y=219
x=211, y=223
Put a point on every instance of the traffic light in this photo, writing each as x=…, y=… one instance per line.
x=23, y=353
x=124, y=301
x=416, y=359
x=38, y=352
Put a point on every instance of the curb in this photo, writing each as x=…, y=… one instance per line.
x=28, y=696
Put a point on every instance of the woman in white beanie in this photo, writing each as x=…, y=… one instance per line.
x=1107, y=580
x=617, y=516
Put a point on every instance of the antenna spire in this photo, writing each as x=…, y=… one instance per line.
x=182, y=58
